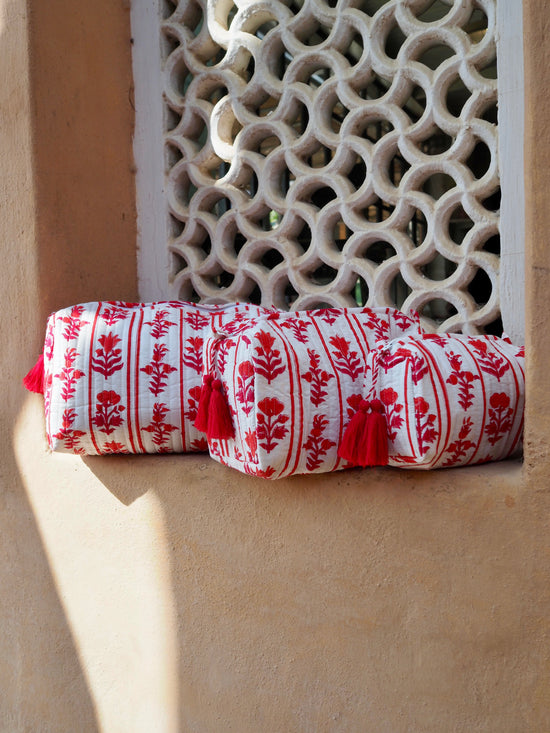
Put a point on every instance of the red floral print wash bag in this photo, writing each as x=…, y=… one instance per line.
x=126, y=377
x=445, y=400
x=286, y=380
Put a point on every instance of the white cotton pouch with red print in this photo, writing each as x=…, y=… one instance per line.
x=448, y=400
x=287, y=379
x=126, y=378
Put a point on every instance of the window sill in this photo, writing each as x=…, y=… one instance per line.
x=139, y=473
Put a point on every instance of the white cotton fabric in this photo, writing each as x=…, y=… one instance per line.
x=292, y=381
x=125, y=377
x=449, y=400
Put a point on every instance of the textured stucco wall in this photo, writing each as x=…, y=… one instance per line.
x=157, y=594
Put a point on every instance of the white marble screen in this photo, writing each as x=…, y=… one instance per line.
x=340, y=153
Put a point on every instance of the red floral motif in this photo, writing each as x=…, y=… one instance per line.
x=388, y=360
x=222, y=353
x=405, y=459
x=240, y=315
x=299, y=328
x=500, y=417
x=70, y=438
x=238, y=324
x=485, y=459
x=346, y=360
x=159, y=325
x=404, y=322
x=192, y=353
x=436, y=338
x=328, y=315
x=158, y=370
x=353, y=401
x=193, y=403
x=108, y=359
x=159, y=428
x=425, y=429
x=196, y=320
x=244, y=393
x=260, y=473
x=214, y=450
x=48, y=379
x=377, y=324
x=419, y=368
x=74, y=322
x=317, y=377
x=48, y=343
x=460, y=447
x=107, y=416
x=520, y=354
x=316, y=446
x=251, y=440
x=463, y=379
x=489, y=361
x=271, y=424
x=200, y=445
x=69, y=375
x=114, y=447
x=268, y=361
x=113, y=314
x=394, y=420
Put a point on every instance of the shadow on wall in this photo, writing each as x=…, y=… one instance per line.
x=43, y=687
x=338, y=601
x=42, y=684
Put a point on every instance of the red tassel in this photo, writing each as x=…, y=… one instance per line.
x=376, y=453
x=365, y=440
x=220, y=424
x=201, y=420
x=34, y=380
x=352, y=446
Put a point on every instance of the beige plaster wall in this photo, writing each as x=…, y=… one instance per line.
x=171, y=594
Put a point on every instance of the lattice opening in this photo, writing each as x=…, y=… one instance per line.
x=344, y=155
x=394, y=41
x=433, y=12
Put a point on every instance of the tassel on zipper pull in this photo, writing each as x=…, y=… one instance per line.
x=34, y=380
x=201, y=420
x=220, y=423
x=351, y=448
x=376, y=443
x=365, y=440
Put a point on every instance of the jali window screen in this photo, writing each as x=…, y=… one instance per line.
x=335, y=153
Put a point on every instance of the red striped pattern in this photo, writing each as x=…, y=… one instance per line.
x=288, y=431
x=465, y=405
x=128, y=388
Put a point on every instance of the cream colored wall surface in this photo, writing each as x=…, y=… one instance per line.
x=163, y=594
x=82, y=107
x=203, y=600
x=537, y=174
x=40, y=674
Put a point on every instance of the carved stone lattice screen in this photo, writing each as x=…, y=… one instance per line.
x=342, y=153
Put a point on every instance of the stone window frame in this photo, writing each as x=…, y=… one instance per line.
x=153, y=224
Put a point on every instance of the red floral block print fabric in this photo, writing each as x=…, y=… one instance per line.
x=125, y=377
x=290, y=379
x=449, y=400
